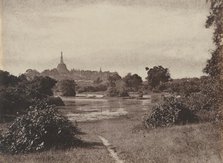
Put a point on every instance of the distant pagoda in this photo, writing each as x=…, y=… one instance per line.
x=61, y=67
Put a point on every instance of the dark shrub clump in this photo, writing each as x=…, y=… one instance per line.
x=170, y=112
x=54, y=101
x=38, y=130
x=66, y=88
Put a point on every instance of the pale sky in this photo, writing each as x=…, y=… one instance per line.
x=123, y=36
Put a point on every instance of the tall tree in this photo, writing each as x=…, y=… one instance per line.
x=133, y=81
x=214, y=65
x=215, y=19
x=157, y=75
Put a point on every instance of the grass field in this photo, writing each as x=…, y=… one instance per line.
x=197, y=143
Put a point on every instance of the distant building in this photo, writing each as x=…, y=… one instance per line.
x=62, y=73
x=61, y=67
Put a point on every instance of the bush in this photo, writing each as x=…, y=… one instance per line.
x=42, y=85
x=6, y=79
x=38, y=130
x=92, y=88
x=66, y=88
x=184, y=86
x=13, y=101
x=54, y=101
x=199, y=101
x=170, y=112
x=119, y=89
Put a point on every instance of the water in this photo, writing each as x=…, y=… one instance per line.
x=83, y=109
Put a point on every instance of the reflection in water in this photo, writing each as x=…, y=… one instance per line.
x=88, y=109
x=92, y=116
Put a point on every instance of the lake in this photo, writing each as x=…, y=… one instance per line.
x=82, y=109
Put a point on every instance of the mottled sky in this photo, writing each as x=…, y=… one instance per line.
x=123, y=36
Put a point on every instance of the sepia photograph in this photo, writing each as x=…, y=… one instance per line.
x=111, y=81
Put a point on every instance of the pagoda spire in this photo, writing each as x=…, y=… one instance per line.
x=61, y=57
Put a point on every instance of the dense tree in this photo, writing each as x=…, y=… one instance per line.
x=66, y=88
x=98, y=80
x=42, y=85
x=214, y=65
x=116, y=86
x=215, y=20
x=113, y=78
x=119, y=90
x=157, y=75
x=7, y=79
x=17, y=94
x=133, y=81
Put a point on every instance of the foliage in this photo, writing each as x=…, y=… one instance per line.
x=13, y=101
x=116, y=86
x=16, y=97
x=43, y=85
x=98, y=81
x=133, y=81
x=50, y=100
x=214, y=64
x=184, y=86
x=157, y=75
x=170, y=112
x=113, y=78
x=199, y=101
x=7, y=79
x=92, y=88
x=119, y=89
x=66, y=88
x=38, y=130
x=215, y=19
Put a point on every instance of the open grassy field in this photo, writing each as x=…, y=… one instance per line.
x=197, y=143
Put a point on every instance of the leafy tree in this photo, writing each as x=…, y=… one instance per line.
x=98, y=81
x=215, y=19
x=116, y=86
x=133, y=81
x=157, y=75
x=13, y=101
x=214, y=65
x=119, y=89
x=113, y=78
x=43, y=85
x=7, y=79
x=66, y=88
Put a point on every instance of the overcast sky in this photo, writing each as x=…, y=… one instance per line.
x=123, y=36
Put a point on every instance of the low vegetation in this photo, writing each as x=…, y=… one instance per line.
x=18, y=93
x=119, y=90
x=170, y=111
x=39, y=129
x=92, y=88
x=54, y=101
x=65, y=88
x=116, y=86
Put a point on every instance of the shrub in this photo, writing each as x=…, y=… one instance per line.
x=92, y=88
x=6, y=79
x=13, y=101
x=38, y=130
x=184, y=86
x=119, y=90
x=170, y=112
x=133, y=82
x=66, y=88
x=41, y=84
x=54, y=101
x=199, y=101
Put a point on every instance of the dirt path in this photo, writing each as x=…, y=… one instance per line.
x=111, y=150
